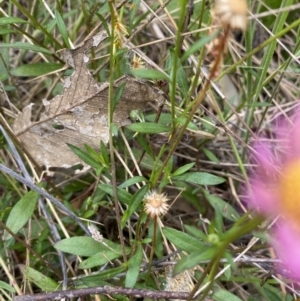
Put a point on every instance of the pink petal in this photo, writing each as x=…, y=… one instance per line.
x=287, y=246
x=263, y=198
x=266, y=161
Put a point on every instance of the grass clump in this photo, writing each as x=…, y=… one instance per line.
x=159, y=208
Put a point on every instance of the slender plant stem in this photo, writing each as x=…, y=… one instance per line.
x=152, y=247
x=110, y=121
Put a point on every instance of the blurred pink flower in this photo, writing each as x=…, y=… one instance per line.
x=275, y=189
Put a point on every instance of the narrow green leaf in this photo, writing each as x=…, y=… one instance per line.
x=149, y=127
x=184, y=241
x=93, y=280
x=43, y=282
x=198, y=45
x=25, y=46
x=133, y=181
x=202, y=178
x=224, y=208
x=134, y=265
x=221, y=295
x=35, y=69
x=4, y=31
x=62, y=28
x=7, y=287
x=81, y=245
x=104, y=152
x=110, y=252
x=183, y=169
x=84, y=156
x=193, y=259
x=271, y=295
x=195, y=232
x=117, y=95
x=11, y=20
x=210, y=155
x=21, y=213
x=182, y=79
x=149, y=74
x=104, y=23
x=134, y=204
x=123, y=196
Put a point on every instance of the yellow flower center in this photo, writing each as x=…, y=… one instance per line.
x=289, y=191
x=156, y=202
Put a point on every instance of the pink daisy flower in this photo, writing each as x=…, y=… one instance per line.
x=275, y=189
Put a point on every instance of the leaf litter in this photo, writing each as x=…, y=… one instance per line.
x=79, y=115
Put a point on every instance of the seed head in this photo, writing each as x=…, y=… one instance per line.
x=232, y=13
x=156, y=203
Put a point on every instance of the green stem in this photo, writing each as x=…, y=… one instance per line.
x=152, y=247
x=110, y=120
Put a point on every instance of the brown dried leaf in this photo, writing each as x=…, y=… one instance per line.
x=79, y=115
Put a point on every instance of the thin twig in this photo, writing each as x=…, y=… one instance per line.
x=105, y=290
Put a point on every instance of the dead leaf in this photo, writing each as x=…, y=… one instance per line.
x=79, y=115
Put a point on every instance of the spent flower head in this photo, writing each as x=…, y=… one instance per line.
x=274, y=189
x=232, y=13
x=156, y=203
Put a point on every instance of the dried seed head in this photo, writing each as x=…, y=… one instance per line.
x=156, y=203
x=120, y=32
x=232, y=13
x=137, y=63
x=95, y=233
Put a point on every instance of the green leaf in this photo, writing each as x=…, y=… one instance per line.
x=93, y=280
x=84, y=156
x=104, y=23
x=221, y=295
x=224, y=208
x=184, y=241
x=11, y=20
x=149, y=127
x=195, y=232
x=21, y=213
x=193, y=259
x=134, y=204
x=198, y=45
x=25, y=46
x=123, y=196
x=134, y=265
x=104, y=152
x=182, y=79
x=82, y=245
x=271, y=295
x=201, y=178
x=62, y=28
x=35, y=69
x=183, y=169
x=6, y=286
x=4, y=31
x=149, y=74
x=117, y=95
x=110, y=252
x=43, y=282
x=132, y=181
x=210, y=155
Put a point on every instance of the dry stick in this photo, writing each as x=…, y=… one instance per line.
x=107, y=290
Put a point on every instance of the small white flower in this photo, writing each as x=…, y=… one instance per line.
x=156, y=203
